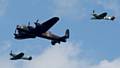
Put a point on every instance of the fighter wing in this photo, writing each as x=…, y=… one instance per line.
x=48, y=24
x=102, y=15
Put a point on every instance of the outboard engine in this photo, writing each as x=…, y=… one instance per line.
x=53, y=42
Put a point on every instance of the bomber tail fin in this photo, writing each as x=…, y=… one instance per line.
x=66, y=36
x=67, y=33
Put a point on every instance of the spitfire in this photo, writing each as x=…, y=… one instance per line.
x=19, y=56
x=102, y=16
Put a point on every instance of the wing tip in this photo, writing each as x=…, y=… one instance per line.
x=56, y=18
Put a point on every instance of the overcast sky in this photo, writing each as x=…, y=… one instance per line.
x=92, y=43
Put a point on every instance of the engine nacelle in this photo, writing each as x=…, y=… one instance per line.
x=53, y=42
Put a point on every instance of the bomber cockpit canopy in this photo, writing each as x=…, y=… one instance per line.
x=24, y=27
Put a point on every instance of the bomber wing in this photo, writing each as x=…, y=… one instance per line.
x=48, y=24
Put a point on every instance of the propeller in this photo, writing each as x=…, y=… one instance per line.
x=11, y=52
x=28, y=23
x=93, y=11
x=15, y=31
x=37, y=21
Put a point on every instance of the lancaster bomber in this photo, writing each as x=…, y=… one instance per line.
x=40, y=30
x=19, y=56
x=102, y=16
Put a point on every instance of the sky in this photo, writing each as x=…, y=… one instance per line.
x=92, y=43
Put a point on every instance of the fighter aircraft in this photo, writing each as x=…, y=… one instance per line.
x=102, y=16
x=40, y=30
x=19, y=56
